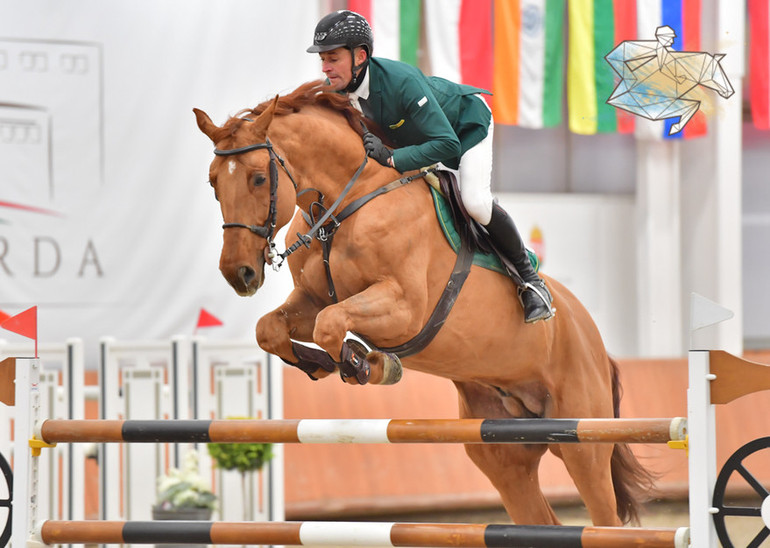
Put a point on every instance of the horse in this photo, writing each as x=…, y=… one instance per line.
x=382, y=278
x=655, y=80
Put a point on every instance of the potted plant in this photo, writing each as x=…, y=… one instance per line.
x=183, y=494
x=244, y=457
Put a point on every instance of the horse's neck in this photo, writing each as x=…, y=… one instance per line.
x=324, y=155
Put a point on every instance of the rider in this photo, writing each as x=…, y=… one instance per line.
x=431, y=120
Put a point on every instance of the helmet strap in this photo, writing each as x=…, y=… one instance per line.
x=358, y=72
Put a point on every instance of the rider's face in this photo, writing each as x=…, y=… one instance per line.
x=337, y=67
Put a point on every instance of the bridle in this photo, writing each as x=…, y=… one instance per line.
x=266, y=231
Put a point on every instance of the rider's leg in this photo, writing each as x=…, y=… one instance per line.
x=534, y=295
x=475, y=179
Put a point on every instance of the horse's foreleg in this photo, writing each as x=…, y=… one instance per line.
x=377, y=311
x=294, y=319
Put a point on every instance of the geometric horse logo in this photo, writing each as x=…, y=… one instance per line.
x=655, y=79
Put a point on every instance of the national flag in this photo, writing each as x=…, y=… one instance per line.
x=595, y=28
x=395, y=25
x=24, y=324
x=684, y=17
x=523, y=65
x=459, y=40
x=206, y=319
x=759, y=63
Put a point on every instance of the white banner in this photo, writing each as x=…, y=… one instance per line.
x=107, y=222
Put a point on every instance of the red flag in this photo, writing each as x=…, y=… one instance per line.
x=205, y=319
x=24, y=324
x=3, y=316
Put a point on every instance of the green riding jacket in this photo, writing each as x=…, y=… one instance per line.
x=429, y=119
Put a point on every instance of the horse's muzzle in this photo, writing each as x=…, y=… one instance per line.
x=244, y=279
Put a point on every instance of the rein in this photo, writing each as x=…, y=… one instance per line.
x=324, y=232
x=267, y=231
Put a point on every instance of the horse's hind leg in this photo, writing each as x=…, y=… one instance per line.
x=512, y=469
x=589, y=466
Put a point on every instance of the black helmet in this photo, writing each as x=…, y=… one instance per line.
x=342, y=28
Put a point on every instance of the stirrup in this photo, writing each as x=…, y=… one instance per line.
x=545, y=296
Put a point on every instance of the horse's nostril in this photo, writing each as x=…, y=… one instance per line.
x=247, y=275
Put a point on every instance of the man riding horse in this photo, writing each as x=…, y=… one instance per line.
x=431, y=121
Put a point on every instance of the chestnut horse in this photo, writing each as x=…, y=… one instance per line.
x=389, y=266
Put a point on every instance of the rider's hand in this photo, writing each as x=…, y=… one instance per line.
x=377, y=150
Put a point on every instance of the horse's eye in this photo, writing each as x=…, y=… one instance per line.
x=258, y=179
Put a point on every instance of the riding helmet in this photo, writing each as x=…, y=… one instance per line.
x=343, y=28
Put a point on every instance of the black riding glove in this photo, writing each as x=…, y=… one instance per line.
x=378, y=151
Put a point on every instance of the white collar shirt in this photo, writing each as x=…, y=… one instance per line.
x=361, y=93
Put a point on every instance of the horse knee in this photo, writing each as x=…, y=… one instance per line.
x=270, y=333
x=329, y=332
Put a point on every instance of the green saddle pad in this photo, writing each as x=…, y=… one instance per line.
x=489, y=261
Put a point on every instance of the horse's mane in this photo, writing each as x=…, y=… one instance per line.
x=315, y=93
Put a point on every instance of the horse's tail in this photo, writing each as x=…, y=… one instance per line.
x=631, y=480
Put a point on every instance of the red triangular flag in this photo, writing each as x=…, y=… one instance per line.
x=205, y=319
x=24, y=323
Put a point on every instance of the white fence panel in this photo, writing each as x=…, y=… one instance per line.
x=61, y=493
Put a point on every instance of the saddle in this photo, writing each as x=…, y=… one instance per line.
x=458, y=226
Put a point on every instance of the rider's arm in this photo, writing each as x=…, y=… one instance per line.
x=425, y=126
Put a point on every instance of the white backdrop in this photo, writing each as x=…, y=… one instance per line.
x=107, y=222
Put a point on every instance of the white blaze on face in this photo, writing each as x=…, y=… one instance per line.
x=231, y=166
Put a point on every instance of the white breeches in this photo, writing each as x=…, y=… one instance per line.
x=475, y=177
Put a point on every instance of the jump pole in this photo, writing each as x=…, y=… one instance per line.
x=355, y=534
x=365, y=431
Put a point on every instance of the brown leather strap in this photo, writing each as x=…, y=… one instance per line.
x=443, y=307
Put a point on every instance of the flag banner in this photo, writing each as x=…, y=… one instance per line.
x=459, y=41
x=206, y=319
x=759, y=62
x=522, y=65
x=594, y=26
x=443, y=30
x=395, y=25
x=683, y=16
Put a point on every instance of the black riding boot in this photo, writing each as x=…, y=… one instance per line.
x=534, y=295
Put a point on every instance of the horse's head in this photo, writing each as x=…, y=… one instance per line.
x=256, y=197
x=716, y=78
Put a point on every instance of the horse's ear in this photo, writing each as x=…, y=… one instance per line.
x=209, y=128
x=263, y=121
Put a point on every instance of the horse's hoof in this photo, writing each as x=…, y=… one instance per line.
x=354, y=368
x=385, y=367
